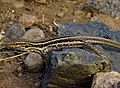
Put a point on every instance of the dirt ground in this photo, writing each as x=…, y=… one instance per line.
x=61, y=11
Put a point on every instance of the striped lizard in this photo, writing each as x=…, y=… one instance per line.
x=60, y=43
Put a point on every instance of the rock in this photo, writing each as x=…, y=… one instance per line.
x=77, y=13
x=2, y=32
x=89, y=15
x=34, y=35
x=106, y=80
x=20, y=75
x=1, y=36
x=41, y=1
x=89, y=29
x=28, y=20
x=111, y=7
x=19, y=69
x=60, y=15
x=74, y=68
x=96, y=29
x=16, y=3
x=16, y=31
x=37, y=84
x=33, y=62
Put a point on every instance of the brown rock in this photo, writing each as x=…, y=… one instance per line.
x=1, y=36
x=16, y=3
x=88, y=15
x=60, y=15
x=106, y=80
x=37, y=84
x=34, y=35
x=41, y=1
x=28, y=20
x=77, y=13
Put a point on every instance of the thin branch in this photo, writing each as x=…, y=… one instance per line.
x=55, y=24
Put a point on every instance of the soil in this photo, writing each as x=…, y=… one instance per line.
x=60, y=11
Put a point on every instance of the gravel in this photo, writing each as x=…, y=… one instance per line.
x=110, y=7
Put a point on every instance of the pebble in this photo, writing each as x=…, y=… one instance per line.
x=18, y=3
x=33, y=62
x=37, y=84
x=41, y=1
x=2, y=32
x=15, y=31
x=20, y=75
x=89, y=15
x=28, y=20
x=1, y=71
x=19, y=69
x=60, y=15
x=34, y=35
x=1, y=36
x=77, y=12
x=65, y=9
x=106, y=80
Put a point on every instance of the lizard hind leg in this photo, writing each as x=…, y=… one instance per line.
x=99, y=53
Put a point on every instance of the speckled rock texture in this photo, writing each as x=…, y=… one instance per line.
x=15, y=31
x=106, y=80
x=111, y=7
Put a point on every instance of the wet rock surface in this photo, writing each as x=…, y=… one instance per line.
x=111, y=7
x=106, y=80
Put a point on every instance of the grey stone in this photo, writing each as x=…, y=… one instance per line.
x=34, y=35
x=33, y=62
x=88, y=29
x=72, y=66
x=95, y=29
x=111, y=7
x=16, y=31
x=106, y=80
